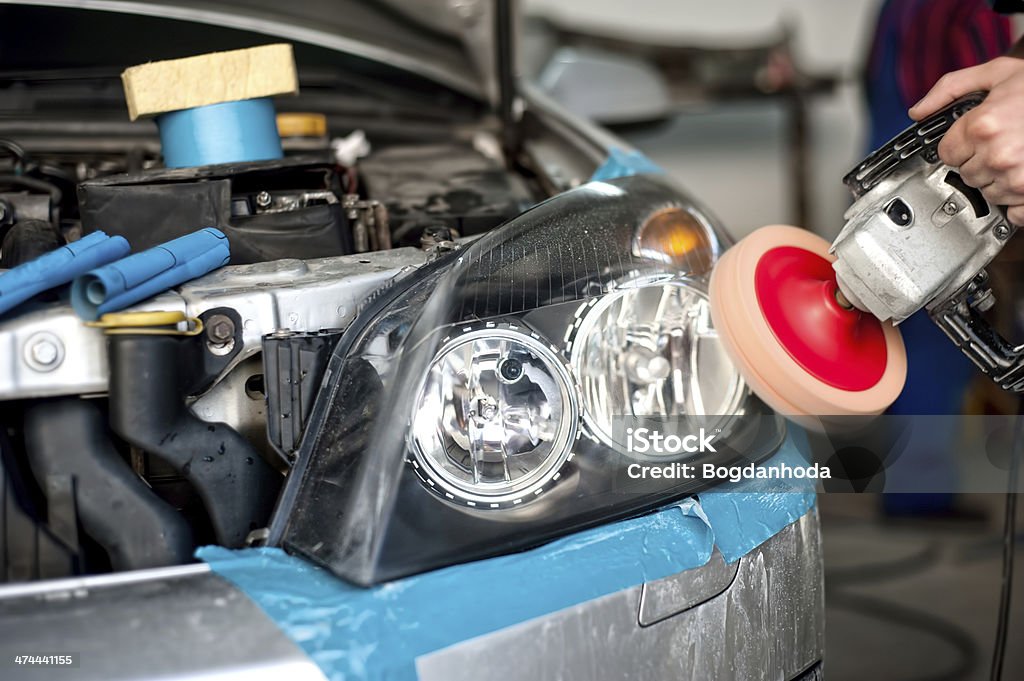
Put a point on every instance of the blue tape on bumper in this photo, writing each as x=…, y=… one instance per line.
x=143, y=275
x=377, y=633
x=625, y=164
x=59, y=267
x=229, y=132
x=748, y=513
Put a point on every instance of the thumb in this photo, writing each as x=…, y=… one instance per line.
x=955, y=85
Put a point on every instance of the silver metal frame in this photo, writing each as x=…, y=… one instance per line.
x=303, y=295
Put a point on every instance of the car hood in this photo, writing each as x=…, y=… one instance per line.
x=448, y=41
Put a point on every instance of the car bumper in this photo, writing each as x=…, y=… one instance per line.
x=759, y=618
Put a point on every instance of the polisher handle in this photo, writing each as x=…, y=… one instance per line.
x=961, y=319
x=921, y=138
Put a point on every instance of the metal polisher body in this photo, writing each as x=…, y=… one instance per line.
x=812, y=327
x=918, y=237
x=917, y=234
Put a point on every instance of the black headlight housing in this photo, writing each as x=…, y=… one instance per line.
x=400, y=470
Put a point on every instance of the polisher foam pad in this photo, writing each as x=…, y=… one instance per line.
x=773, y=302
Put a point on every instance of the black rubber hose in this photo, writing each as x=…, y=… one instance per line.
x=149, y=380
x=137, y=529
x=1009, y=548
x=15, y=150
x=37, y=185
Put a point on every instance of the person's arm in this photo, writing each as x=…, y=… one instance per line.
x=987, y=144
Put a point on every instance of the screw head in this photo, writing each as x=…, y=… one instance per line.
x=1001, y=231
x=220, y=328
x=950, y=208
x=263, y=199
x=44, y=352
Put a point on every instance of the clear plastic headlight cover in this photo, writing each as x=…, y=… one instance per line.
x=484, y=403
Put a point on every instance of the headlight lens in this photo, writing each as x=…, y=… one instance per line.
x=494, y=417
x=469, y=411
x=650, y=351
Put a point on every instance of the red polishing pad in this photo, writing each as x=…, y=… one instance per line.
x=774, y=304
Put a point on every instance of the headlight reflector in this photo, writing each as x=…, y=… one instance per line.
x=494, y=418
x=650, y=351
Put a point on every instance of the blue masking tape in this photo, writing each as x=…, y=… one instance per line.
x=748, y=513
x=377, y=633
x=625, y=164
x=228, y=132
x=59, y=267
x=143, y=275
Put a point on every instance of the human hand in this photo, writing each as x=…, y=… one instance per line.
x=987, y=143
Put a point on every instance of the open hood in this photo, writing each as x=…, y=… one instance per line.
x=452, y=42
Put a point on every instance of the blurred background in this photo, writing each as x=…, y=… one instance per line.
x=760, y=109
x=731, y=134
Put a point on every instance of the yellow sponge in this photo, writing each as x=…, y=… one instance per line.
x=175, y=84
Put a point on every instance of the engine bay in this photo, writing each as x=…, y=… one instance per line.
x=314, y=234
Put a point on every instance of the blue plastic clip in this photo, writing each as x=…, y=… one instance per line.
x=145, y=274
x=59, y=267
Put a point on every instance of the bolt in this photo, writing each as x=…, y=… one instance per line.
x=220, y=329
x=1001, y=231
x=984, y=302
x=263, y=199
x=45, y=352
x=3, y=211
x=950, y=208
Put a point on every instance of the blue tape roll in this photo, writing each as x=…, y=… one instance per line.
x=220, y=133
x=59, y=267
x=143, y=275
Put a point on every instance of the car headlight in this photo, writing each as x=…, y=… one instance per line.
x=482, y=404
